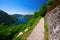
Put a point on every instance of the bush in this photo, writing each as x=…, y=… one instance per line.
x=7, y=32
x=50, y=2
x=36, y=14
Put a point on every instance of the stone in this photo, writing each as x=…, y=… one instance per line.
x=53, y=23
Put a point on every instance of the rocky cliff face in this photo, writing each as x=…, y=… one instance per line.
x=53, y=22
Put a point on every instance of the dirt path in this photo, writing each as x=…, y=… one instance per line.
x=38, y=31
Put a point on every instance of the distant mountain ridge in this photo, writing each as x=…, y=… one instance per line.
x=6, y=19
x=22, y=19
x=13, y=19
x=28, y=16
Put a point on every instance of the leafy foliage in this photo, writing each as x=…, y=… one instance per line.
x=7, y=33
x=41, y=12
x=46, y=30
x=5, y=18
x=50, y=2
x=36, y=14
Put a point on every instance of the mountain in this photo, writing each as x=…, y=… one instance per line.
x=17, y=15
x=13, y=19
x=6, y=19
x=22, y=19
x=28, y=16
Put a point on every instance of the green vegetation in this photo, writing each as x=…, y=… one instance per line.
x=41, y=12
x=50, y=2
x=34, y=20
x=30, y=25
x=10, y=32
x=6, y=19
x=46, y=29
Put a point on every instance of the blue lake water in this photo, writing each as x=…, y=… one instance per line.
x=21, y=20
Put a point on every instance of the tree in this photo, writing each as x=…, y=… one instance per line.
x=50, y=2
x=36, y=14
x=43, y=10
x=6, y=19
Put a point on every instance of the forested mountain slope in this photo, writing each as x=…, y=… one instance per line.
x=6, y=19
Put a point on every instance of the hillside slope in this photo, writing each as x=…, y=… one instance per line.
x=5, y=18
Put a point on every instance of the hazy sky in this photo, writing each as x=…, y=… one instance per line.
x=21, y=6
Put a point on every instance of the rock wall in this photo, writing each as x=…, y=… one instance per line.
x=53, y=23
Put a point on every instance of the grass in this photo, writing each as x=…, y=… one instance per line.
x=33, y=23
x=46, y=29
x=20, y=28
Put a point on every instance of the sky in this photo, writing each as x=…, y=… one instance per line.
x=21, y=6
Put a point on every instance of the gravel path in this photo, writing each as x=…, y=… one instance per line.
x=38, y=31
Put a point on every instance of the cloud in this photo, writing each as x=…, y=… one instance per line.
x=19, y=12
